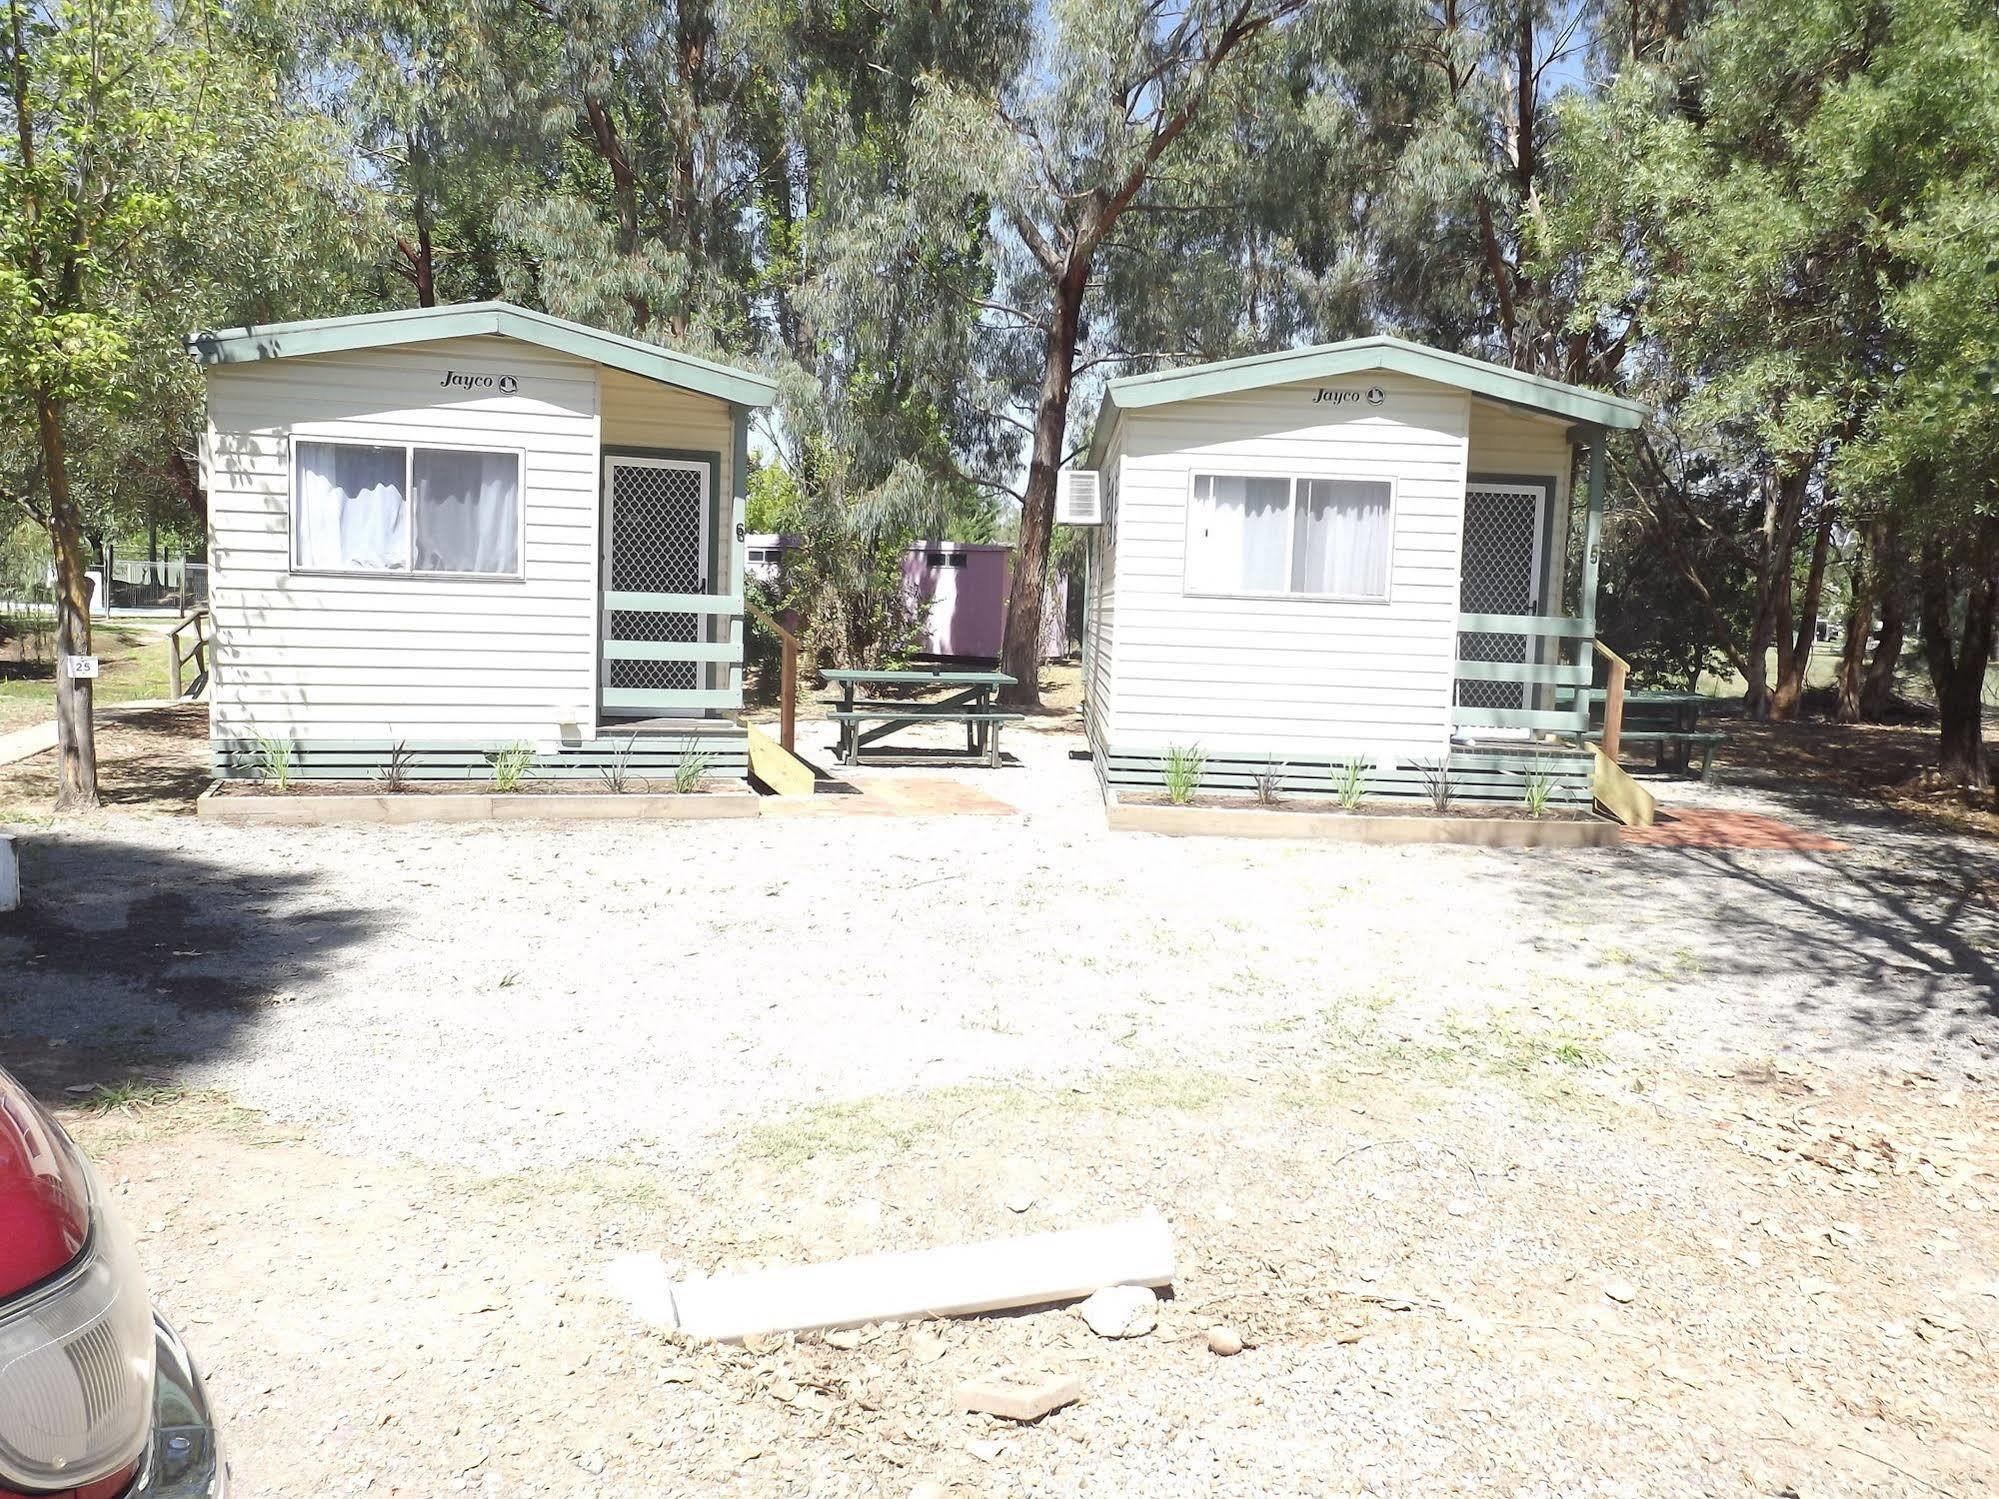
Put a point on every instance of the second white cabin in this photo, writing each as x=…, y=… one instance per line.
x=1356, y=552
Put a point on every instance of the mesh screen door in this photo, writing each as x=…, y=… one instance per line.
x=656, y=541
x=1501, y=575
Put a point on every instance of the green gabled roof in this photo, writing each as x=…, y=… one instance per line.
x=378, y=330
x=1324, y=361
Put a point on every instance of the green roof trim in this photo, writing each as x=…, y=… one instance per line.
x=380, y=330
x=1355, y=356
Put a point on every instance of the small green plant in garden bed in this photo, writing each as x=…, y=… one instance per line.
x=1540, y=786
x=1350, y=782
x=512, y=765
x=617, y=776
x=1269, y=783
x=1185, y=766
x=691, y=767
x=397, y=773
x=1436, y=778
x=274, y=762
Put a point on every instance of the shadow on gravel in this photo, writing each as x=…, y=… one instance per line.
x=125, y=957
x=1909, y=947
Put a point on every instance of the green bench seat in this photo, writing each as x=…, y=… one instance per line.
x=982, y=725
x=1687, y=740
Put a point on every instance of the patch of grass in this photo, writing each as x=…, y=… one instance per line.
x=132, y=665
x=132, y=1095
x=892, y=1122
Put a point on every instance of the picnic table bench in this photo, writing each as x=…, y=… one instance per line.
x=1668, y=721
x=971, y=705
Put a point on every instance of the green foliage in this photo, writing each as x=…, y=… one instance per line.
x=1185, y=766
x=512, y=765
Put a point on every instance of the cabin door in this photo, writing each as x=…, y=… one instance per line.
x=1503, y=573
x=655, y=541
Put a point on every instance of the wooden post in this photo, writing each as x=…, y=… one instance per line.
x=173, y=655
x=1613, y=699
x=787, y=721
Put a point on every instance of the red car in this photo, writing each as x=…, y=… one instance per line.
x=98, y=1399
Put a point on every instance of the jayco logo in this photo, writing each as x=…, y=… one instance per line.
x=506, y=385
x=1374, y=395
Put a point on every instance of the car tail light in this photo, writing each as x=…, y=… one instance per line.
x=76, y=1366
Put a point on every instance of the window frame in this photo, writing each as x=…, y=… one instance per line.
x=1293, y=476
x=350, y=440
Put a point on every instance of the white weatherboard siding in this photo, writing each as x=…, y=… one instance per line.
x=387, y=657
x=1100, y=623
x=1290, y=676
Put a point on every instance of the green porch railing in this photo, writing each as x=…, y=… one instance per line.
x=727, y=652
x=1565, y=679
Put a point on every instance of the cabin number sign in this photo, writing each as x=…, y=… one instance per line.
x=1349, y=395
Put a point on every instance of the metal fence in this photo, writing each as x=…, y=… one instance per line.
x=171, y=584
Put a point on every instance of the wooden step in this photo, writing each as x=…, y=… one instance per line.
x=777, y=767
x=1619, y=795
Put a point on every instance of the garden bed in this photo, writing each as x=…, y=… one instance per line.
x=305, y=803
x=1324, y=819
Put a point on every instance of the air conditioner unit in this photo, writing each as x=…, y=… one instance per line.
x=1079, y=497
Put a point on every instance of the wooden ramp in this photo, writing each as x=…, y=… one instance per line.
x=777, y=767
x=1619, y=795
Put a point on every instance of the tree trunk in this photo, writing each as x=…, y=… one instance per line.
x=1867, y=560
x=1800, y=636
x=1957, y=665
x=76, y=737
x=1877, y=692
x=1021, y=651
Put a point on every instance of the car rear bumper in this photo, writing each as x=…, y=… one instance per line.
x=185, y=1460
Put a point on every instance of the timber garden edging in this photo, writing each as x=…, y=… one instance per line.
x=306, y=809
x=1357, y=827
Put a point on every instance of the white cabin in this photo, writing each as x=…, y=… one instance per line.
x=1356, y=551
x=449, y=530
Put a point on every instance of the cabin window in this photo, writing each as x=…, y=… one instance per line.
x=1314, y=537
x=370, y=508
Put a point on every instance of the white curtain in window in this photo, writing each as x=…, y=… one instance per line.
x=350, y=510
x=467, y=511
x=1342, y=536
x=1242, y=528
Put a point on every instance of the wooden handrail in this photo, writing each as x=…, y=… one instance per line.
x=198, y=653
x=1613, y=698
x=787, y=702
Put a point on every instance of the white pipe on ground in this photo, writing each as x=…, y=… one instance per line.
x=957, y=1280
x=10, y=875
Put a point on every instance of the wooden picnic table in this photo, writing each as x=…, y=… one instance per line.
x=1670, y=721
x=971, y=704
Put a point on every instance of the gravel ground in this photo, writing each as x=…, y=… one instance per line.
x=1414, y=1114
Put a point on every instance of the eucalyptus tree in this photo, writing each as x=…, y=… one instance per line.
x=132, y=133
x=1097, y=123
x=1790, y=241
